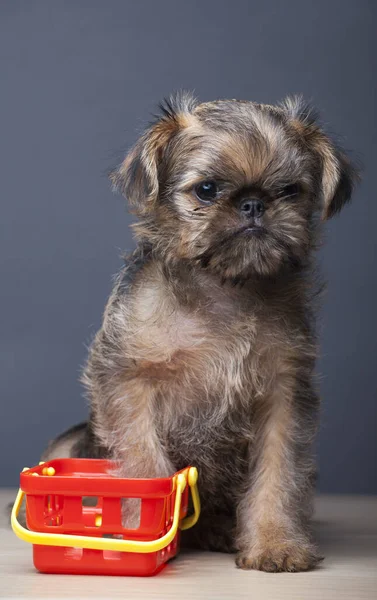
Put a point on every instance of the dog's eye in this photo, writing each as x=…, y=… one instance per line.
x=207, y=191
x=289, y=191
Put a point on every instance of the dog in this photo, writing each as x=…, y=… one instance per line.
x=206, y=352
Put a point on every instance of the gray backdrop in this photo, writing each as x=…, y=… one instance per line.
x=78, y=81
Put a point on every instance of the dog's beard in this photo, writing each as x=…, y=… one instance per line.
x=243, y=254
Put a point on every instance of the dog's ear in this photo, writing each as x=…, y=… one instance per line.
x=337, y=173
x=338, y=177
x=137, y=178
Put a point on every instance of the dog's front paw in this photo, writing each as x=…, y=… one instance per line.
x=281, y=557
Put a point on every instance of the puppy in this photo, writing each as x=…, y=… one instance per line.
x=206, y=352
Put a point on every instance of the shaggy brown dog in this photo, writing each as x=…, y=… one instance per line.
x=206, y=352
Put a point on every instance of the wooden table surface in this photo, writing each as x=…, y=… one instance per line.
x=346, y=530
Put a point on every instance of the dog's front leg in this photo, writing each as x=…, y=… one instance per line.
x=126, y=423
x=138, y=448
x=273, y=513
x=140, y=451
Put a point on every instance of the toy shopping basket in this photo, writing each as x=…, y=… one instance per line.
x=68, y=536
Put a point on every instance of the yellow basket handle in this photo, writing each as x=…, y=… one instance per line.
x=96, y=543
x=192, y=479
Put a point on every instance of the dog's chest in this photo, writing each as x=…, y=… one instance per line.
x=212, y=348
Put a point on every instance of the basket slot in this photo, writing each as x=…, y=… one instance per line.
x=91, y=510
x=53, y=510
x=90, y=500
x=131, y=513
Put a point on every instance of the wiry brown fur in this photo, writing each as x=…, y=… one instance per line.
x=206, y=352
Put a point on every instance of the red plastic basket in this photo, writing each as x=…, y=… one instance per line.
x=68, y=536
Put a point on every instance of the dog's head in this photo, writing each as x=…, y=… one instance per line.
x=235, y=186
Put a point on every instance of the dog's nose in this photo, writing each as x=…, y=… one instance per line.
x=252, y=208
